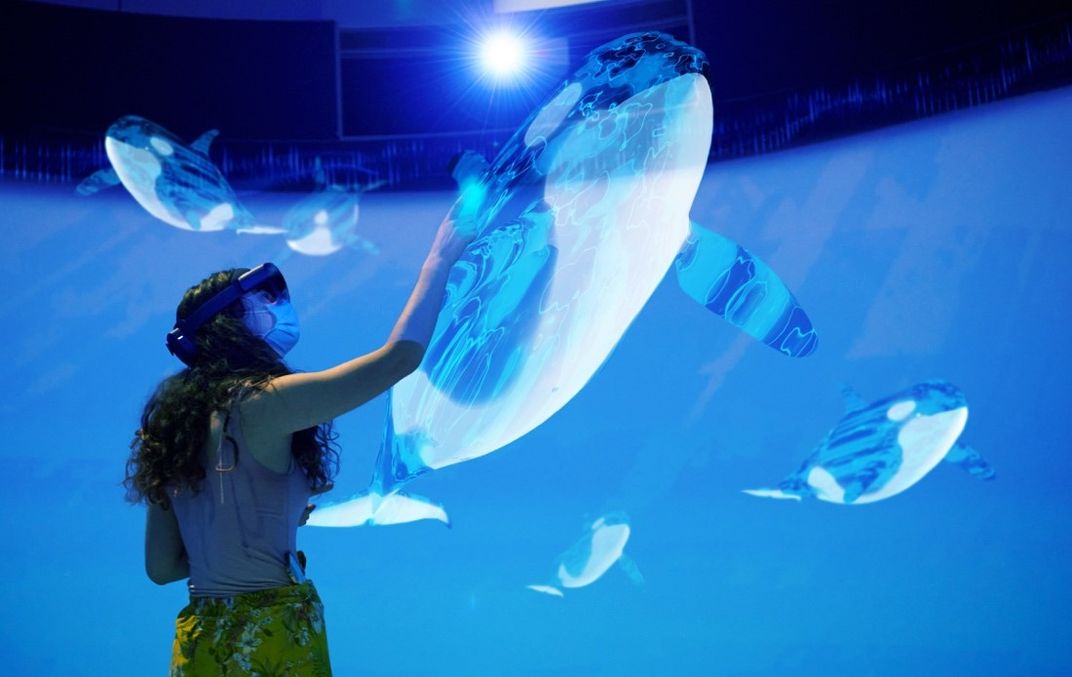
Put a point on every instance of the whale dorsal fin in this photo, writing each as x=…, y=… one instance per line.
x=969, y=460
x=851, y=399
x=97, y=181
x=202, y=143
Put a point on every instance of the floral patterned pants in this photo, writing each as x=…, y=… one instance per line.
x=279, y=631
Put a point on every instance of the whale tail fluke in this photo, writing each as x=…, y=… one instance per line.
x=374, y=509
x=260, y=229
x=546, y=589
x=772, y=493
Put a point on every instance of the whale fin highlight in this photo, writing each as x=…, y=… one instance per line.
x=202, y=143
x=546, y=589
x=969, y=460
x=373, y=509
x=97, y=181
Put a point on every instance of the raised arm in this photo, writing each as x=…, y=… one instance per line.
x=299, y=401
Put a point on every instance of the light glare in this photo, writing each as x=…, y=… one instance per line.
x=502, y=54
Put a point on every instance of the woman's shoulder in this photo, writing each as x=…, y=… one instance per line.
x=268, y=446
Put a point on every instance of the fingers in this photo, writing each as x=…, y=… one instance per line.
x=309, y=508
x=468, y=165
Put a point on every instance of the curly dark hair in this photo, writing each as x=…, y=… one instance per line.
x=166, y=449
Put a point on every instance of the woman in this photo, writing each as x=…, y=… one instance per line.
x=230, y=450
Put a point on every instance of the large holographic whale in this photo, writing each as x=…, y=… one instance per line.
x=597, y=550
x=880, y=449
x=176, y=183
x=580, y=217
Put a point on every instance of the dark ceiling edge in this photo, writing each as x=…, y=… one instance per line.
x=1032, y=59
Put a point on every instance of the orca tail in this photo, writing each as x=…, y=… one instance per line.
x=369, y=508
x=260, y=229
x=772, y=493
x=546, y=589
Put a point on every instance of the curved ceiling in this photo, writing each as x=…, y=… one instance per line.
x=345, y=13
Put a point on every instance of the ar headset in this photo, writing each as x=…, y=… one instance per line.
x=180, y=340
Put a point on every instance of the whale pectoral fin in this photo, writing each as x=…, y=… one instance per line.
x=853, y=491
x=97, y=181
x=192, y=217
x=725, y=278
x=629, y=568
x=202, y=143
x=969, y=460
x=358, y=243
x=858, y=485
x=375, y=185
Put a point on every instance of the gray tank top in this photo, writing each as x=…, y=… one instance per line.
x=240, y=528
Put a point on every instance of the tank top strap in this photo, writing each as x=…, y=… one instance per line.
x=234, y=435
x=227, y=449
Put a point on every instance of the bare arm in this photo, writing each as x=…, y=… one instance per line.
x=165, y=554
x=298, y=401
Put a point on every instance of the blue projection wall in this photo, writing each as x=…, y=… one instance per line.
x=935, y=250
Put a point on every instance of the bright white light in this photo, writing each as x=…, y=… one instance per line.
x=502, y=54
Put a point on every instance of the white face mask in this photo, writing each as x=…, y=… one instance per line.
x=271, y=319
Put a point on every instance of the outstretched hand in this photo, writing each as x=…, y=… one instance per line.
x=467, y=170
x=469, y=166
x=310, y=507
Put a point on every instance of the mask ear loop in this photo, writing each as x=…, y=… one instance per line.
x=220, y=467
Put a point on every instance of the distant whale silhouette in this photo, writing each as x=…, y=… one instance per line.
x=324, y=222
x=598, y=549
x=880, y=449
x=176, y=183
